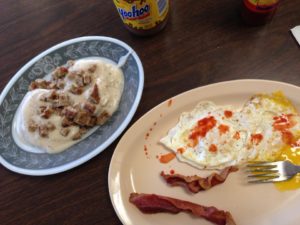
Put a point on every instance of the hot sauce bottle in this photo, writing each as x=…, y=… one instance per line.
x=258, y=12
x=143, y=17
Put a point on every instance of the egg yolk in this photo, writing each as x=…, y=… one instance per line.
x=291, y=154
x=288, y=152
x=279, y=98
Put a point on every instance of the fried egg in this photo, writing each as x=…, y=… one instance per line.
x=214, y=137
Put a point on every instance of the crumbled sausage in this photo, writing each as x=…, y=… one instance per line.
x=64, y=131
x=66, y=122
x=60, y=72
x=49, y=97
x=80, y=78
x=46, y=112
x=76, y=90
x=69, y=112
x=57, y=99
x=44, y=129
x=83, y=118
x=40, y=83
x=63, y=100
x=102, y=118
x=89, y=107
x=94, y=96
x=32, y=126
x=53, y=95
x=33, y=85
x=87, y=79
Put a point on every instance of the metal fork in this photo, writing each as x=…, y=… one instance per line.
x=267, y=172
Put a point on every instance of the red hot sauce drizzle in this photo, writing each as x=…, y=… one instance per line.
x=228, y=113
x=282, y=124
x=287, y=137
x=200, y=130
x=180, y=150
x=167, y=157
x=147, y=135
x=256, y=138
x=146, y=151
x=213, y=148
x=223, y=129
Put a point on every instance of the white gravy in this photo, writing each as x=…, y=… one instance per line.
x=110, y=81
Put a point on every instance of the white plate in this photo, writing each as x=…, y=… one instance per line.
x=15, y=158
x=131, y=170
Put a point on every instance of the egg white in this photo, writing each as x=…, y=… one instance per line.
x=256, y=117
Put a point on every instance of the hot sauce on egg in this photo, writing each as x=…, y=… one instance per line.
x=283, y=123
x=203, y=126
x=213, y=148
x=228, y=113
x=180, y=150
x=256, y=138
x=223, y=129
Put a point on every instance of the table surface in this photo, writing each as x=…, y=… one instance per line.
x=204, y=42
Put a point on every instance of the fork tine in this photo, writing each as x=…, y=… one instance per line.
x=263, y=175
x=261, y=163
x=278, y=179
x=261, y=170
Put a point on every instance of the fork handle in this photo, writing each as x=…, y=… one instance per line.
x=296, y=169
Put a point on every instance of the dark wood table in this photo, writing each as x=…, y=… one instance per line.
x=204, y=42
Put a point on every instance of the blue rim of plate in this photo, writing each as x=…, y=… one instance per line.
x=106, y=143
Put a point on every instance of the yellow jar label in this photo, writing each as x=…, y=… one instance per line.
x=142, y=14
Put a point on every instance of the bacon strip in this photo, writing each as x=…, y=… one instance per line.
x=152, y=203
x=196, y=183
